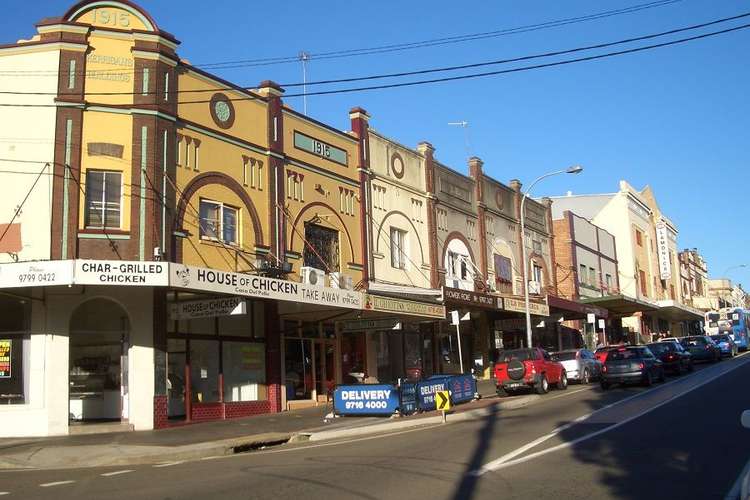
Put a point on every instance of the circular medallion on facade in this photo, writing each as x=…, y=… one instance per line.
x=397, y=165
x=499, y=199
x=222, y=110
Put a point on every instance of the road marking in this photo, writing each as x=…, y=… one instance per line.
x=2, y=493
x=56, y=483
x=116, y=473
x=742, y=480
x=169, y=464
x=501, y=464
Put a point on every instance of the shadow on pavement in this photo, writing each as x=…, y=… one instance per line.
x=468, y=484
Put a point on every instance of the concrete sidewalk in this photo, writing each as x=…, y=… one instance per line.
x=195, y=441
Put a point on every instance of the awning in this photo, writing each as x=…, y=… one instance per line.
x=674, y=311
x=571, y=309
x=379, y=286
x=620, y=305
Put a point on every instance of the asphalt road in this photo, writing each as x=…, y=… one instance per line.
x=677, y=440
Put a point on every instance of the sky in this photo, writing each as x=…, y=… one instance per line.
x=675, y=118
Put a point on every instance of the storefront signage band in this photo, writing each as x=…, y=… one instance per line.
x=469, y=298
x=117, y=272
x=209, y=308
x=42, y=273
x=517, y=305
x=401, y=306
x=662, y=250
x=248, y=285
x=370, y=324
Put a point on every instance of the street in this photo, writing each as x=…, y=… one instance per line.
x=681, y=439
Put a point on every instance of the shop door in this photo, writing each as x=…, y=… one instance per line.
x=298, y=366
x=176, y=359
x=325, y=369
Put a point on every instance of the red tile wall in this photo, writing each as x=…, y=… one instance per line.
x=161, y=419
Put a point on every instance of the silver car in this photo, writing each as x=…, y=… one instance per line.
x=580, y=364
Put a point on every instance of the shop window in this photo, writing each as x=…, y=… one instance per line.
x=298, y=368
x=244, y=369
x=638, y=237
x=321, y=248
x=15, y=350
x=204, y=371
x=398, y=248
x=218, y=222
x=103, y=199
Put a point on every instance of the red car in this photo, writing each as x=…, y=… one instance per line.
x=528, y=368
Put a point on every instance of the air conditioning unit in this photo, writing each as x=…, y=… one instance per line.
x=341, y=280
x=491, y=285
x=312, y=276
x=534, y=287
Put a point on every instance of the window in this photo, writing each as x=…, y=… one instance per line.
x=536, y=273
x=457, y=266
x=346, y=201
x=321, y=248
x=639, y=237
x=295, y=187
x=471, y=230
x=179, y=150
x=671, y=292
x=103, y=199
x=378, y=197
x=218, y=221
x=642, y=282
x=592, y=277
x=196, y=149
x=144, y=84
x=489, y=227
x=536, y=246
x=608, y=279
x=166, y=86
x=442, y=219
x=244, y=371
x=582, y=274
x=398, y=248
x=72, y=74
x=15, y=352
x=416, y=210
x=503, y=269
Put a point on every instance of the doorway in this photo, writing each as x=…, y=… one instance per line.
x=325, y=369
x=99, y=344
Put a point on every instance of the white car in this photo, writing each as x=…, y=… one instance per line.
x=580, y=364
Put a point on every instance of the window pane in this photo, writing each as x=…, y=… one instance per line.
x=244, y=371
x=204, y=370
x=94, y=199
x=209, y=219
x=229, y=224
x=112, y=193
x=324, y=253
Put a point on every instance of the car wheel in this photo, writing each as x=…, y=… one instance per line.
x=562, y=384
x=648, y=380
x=501, y=392
x=585, y=378
x=605, y=385
x=542, y=387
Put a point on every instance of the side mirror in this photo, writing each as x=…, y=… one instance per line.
x=745, y=419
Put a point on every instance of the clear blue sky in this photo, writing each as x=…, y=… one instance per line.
x=675, y=118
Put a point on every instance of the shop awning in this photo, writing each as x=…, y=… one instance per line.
x=571, y=309
x=674, y=311
x=379, y=286
x=620, y=305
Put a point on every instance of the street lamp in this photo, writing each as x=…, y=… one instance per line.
x=575, y=169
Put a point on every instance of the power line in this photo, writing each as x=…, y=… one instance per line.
x=429, y=70
x=462, y=77
x=18, y=210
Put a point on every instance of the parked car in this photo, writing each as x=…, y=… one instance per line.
x=673, y=356
x=631, y=365
x=702, y=348
x=580, y=364
x=528, y=368
x=601, y=352
x=726, y=345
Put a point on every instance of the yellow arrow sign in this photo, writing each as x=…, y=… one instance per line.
x=443, y=400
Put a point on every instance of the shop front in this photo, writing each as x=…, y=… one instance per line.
x=576, y=324
x=510, y=324
x=628, y=318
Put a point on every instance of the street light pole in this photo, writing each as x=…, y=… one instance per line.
x=576, y=169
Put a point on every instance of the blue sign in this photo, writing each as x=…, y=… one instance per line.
x=426, y=391
x=408, y=398
x=365, y=399
x=463, y=388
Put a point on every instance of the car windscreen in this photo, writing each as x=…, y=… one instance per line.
x=624, y=354
x=564, y=356
x=719, y=338
x=661, y=347
x=519, y=354
x=693, y=341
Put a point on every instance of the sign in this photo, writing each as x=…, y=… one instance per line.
x=249, y=285
x=662, y=250
x=601, y=324
x=591, y=318
x=442, y=400
x=42, y=273
x=463, y=388
x=5, y=352
x=401, y=306
x=408, y=398
x=427, y=389
x=319, y=148
x=370, y=324
x=228, y=306
x=366, y=399
x=456, y=317
x=468, y=298
x=517, y=305
x=121, y=272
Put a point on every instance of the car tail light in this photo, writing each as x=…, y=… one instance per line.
x=604, y=368
x=708, y=347
x=641, y=366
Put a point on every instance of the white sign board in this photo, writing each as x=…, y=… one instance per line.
x=209, y=308
x=591, y=318
x=41, y=273
x=121, y=272
x=662, y=250
x=601, y=324
x=249, y=285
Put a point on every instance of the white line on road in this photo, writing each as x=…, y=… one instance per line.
x=56, y=483
x=504, y=461
x=2, y=493
x=116, y=473
x=169, y=464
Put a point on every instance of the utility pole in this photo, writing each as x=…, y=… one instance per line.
x=304, y=57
